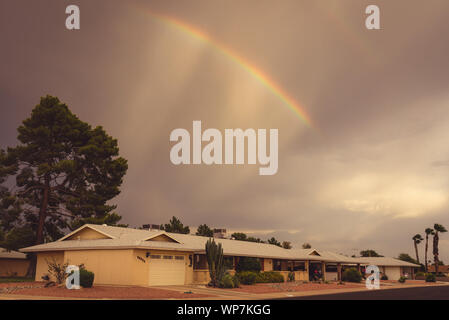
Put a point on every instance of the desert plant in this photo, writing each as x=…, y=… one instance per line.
x=215, y=260
x=291, y=277
x=384, y=277
x=351, y=275
x=430, y=277
x=227, y=281
x=402, y=279
x=57, y=270
x=247, y=277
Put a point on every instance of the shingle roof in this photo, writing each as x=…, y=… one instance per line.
x=386, y=261
x=5, y=254
x=136, y=238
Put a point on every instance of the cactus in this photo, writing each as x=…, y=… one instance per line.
x=215, y=260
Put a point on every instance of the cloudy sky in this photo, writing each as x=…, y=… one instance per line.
x=372, y=170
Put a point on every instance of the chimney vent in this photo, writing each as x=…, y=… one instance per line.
x=151, y=227
x=220, y=233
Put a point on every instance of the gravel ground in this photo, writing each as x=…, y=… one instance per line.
x=97, y=292
x=293, y=286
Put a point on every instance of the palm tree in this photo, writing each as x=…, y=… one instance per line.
x=438, y=228
x=417, y=238
x=428, y=231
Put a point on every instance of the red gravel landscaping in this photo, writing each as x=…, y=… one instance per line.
x=20, y=284
x=293, y=286
x=103, y=292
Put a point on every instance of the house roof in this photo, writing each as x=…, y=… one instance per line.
x=129, y=238
x=444, y=269
x=386, y=261
x=5, y=254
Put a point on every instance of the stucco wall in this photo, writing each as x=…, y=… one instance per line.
x=13, y=267
x=42, y=266
x=267, y=265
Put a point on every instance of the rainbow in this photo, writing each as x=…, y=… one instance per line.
x=245, y=64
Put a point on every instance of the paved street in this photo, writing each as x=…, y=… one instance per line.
x=415, y=293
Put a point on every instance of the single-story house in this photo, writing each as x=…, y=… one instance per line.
x=126, y=256
x=13, y=263
x=392, y=268
x=441, y=269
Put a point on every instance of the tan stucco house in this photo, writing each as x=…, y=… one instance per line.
x=126, y=256
x=13, y=263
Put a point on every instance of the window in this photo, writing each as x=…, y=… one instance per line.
x=277, y=265
x=179, y=257
x=155, y=256
x=168, y=257
x=331, y=268
x=200, y=262
x=299, y=266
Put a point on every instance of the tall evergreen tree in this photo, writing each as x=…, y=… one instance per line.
x=65, y=171
x=205, y=231
x=175, y=225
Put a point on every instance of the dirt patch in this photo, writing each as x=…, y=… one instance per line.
x=293, y=286
x=102, y=292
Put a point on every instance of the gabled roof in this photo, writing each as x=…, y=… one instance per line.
x=163, y=234
x=11, y=254
x=87, y=226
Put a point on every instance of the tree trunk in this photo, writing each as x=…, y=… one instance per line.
x=31, y=272
x=416, y=251
x=435, y=251
x=43, y=213
x=425, y=253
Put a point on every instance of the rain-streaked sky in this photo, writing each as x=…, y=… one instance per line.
x=371, y=172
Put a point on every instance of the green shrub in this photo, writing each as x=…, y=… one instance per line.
x=420, y=274
x=227, y=281
x=247, y=277
x=269, y=277
x=291, y=277
x=248, y=264
x=86, y=278
x=351, y=275
x=402, y=279
x=430, y=277
x=384, y=277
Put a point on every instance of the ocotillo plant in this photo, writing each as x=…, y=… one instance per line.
x=215, y=260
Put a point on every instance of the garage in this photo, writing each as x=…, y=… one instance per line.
x=393, y=273
x=166, y=269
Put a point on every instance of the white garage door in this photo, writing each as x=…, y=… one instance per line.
x=166, y=270
x=393, y=273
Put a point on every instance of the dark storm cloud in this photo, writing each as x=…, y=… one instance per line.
x=372, y=171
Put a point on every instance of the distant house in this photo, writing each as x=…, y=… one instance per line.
x=126, y=256
x=441, y=269
x=13, y=263
x=391, y=267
